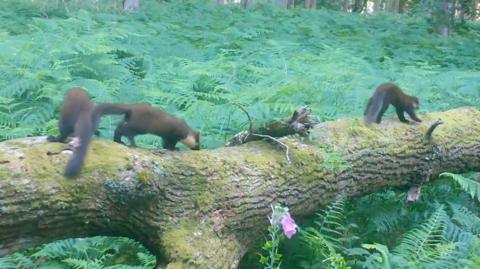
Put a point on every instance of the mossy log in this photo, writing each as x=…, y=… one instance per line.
x=204, y=209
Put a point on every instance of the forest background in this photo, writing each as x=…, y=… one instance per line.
x=195, y=59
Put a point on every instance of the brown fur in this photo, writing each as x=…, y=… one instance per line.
x=75, y=118
x=145, y=119
x=79, y=117
x=386, y=94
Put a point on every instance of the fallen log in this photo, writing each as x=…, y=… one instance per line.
x=204, y=209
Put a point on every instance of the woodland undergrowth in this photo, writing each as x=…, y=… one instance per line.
x=195, y=59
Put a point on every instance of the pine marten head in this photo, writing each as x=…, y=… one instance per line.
x=192, y=140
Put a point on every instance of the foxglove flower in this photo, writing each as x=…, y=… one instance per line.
x=289, y=226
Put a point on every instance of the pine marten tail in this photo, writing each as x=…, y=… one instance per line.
x=109, y=109
x=83, y=135
x=374, y=107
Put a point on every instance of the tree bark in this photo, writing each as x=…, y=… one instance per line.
x=358, y=6
x=346, y=6
x=247, y=3
x=204, y=209
x=283, y=3
x=401, y=6
x=389, y=5
x=131, y=5
x=444, y=12
x=476, y=9
x=310, y=4
x=377, y=4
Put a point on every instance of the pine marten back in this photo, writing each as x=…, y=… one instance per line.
x=145, y=119
x=386, y=94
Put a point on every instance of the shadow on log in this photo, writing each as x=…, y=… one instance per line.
x=204, y=209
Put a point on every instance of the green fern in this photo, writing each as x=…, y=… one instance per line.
x=385, y=254
x=468, y=220
x=84, y=253
x=146, y=260
x=423, y=245
x=16, y=261
x=469, y=185
x=325, y=238
x=83, y=264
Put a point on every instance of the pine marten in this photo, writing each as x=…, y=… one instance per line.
x=80, y=117
x=386, y=94
x=145, y=119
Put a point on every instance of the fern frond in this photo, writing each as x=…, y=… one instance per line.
x=330, y=221
x=466, y=219
x=383, y=250
x=16, y=261
x=455, y=253
x=326, y=235
x=147, y=260
x=421, y=245
x=84, y=264
x=469, y=185
x=56, y=249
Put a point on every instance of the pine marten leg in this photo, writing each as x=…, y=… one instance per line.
x=117, y=136
x=60, y=138
x=382, y=111
x=412, y=115
x=401, y=116
x=65, y=131
x=368, y=106
x=169, y=143
x=123, y=129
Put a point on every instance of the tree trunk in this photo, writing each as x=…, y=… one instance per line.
x=401, y=6
x=377, y=5
x=310, y=4
x=131, y=5
x=358, y=6
x=283, y=3
x=476, y=9
x=443, y=16
x=204, y=209
x=346, y=6
x=389, y=5
x=291, y=4
x=396, y=5
x=247, y=3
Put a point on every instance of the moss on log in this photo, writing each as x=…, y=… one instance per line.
x=204, y=209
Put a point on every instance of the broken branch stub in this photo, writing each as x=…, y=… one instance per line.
x=299, y=123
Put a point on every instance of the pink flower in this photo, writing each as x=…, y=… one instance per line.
x=288, y=225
